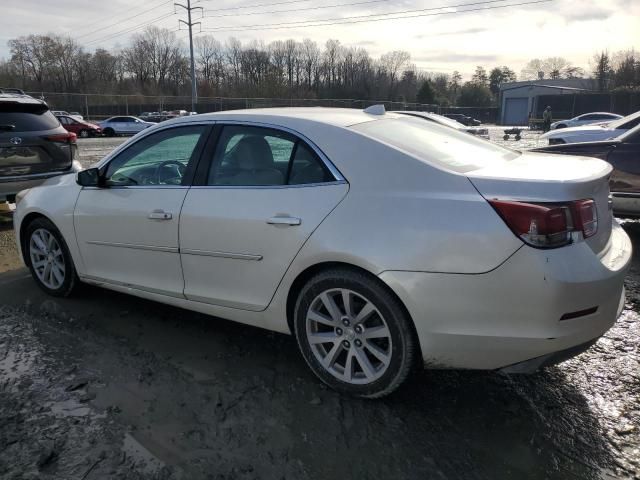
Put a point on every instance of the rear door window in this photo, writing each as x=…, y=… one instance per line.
x=26, y=118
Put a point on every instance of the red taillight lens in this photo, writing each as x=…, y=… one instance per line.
x=586, y=217
x=537, y=225
x=68, y=137
x=548, y=225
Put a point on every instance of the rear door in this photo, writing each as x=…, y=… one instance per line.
x=263, y=195
x=31, y=140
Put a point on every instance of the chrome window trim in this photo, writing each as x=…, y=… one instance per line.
x=139, y=187
x=267, y=187
x=323, y=158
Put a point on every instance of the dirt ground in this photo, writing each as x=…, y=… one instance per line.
x=103, y=385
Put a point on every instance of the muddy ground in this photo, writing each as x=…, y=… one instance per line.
x=103, y=385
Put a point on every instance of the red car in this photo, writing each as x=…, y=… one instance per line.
x=79, y=127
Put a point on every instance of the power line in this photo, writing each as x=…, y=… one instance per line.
x=190, y=23
x=129, y=29
x=367, y=18
x=273, y=4
x=128, y=16
x=296, y=9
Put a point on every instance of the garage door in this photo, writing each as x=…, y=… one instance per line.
x=515, y=111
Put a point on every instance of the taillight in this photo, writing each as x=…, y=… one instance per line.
x=548, y=225
x=68, y=137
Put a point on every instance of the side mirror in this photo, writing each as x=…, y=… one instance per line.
x=88, y=178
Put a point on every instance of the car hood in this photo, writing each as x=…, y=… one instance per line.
x=580, y=129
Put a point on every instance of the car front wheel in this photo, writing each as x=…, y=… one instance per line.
x=354, y=333
x=49, y=259
x=109, y=132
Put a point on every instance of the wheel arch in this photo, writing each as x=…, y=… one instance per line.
x=304, y=276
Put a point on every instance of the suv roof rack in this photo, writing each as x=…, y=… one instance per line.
x=16, y=91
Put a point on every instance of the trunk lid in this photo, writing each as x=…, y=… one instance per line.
x=546, y=178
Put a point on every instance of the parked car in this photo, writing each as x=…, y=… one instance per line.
x=33, y=145
x=76, y=115
x=59, y=113
x=79, y=127
x=442, y=120
x=381, y=241
x=463, y=119
x=586, y=119
x=592, y=133
x=123, y=126
x=623, y=153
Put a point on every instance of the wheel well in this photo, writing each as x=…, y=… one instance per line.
x=23, y=228
x=305, y=275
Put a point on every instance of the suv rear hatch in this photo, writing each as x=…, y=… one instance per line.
x=32, y=141
x=539, y=178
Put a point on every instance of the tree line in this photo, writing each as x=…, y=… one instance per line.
x=155, y=63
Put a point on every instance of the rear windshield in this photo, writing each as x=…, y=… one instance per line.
x=627, y=122
x=15, y=117
x=436, y=144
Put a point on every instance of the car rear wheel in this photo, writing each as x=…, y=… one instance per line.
x=84, y=133
x=354, y=333
x=49, y=259
x=109, y=132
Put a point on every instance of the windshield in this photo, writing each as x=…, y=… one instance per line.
x=627, y=122
x=436, y=144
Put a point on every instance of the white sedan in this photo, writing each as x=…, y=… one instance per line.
x=381, y=241
x=123, y=126
x=592, y=133
x=586, y=119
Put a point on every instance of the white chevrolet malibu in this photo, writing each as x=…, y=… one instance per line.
x=382, y=242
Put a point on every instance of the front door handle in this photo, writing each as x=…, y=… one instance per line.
x=290, y=221
x=160, y=215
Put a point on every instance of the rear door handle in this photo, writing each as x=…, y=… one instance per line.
x=291, y=221
x=160, y=215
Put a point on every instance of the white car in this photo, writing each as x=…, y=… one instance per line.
x=481, y=132
x=592, y=133
x=586, y=119
x=123, y=126
x=381, y=241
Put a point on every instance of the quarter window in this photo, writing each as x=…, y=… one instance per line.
x=160, y=159
x=256, y=156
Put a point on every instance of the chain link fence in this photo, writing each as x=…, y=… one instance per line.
x=100, y=106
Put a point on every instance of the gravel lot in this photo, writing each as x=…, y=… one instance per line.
x=104, y=385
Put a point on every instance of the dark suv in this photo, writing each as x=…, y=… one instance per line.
x=33, y=144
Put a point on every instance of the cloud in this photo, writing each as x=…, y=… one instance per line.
x=453, y=57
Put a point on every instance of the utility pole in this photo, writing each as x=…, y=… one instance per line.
x=190, y=24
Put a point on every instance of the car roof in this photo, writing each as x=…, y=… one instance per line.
x=291, y=116
x=600, y=113
x=20, y=98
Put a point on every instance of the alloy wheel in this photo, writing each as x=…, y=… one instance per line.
x=47, y=258
x=349, y=336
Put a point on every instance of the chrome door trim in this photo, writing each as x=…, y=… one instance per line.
x=264, y=187
x=134, y=246
x=236, y=256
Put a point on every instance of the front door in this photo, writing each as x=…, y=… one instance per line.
x=266, y=192
x=127, y=231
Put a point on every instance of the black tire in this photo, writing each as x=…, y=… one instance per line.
x=505, y=137
x=71, y=280
x=518, y=137
x=109, y=132
x=405, y=346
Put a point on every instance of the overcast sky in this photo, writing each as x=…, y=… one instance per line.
x=574, y=29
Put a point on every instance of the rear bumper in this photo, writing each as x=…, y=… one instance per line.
x=10, y=186
x=514, y=313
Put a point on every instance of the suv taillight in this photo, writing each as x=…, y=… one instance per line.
x=548, y=225
x=68, y=137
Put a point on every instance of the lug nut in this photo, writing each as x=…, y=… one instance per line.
x=358, y=343
x=345, y=322
x=359, y=329
x=338, y=331
x=346, y=344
